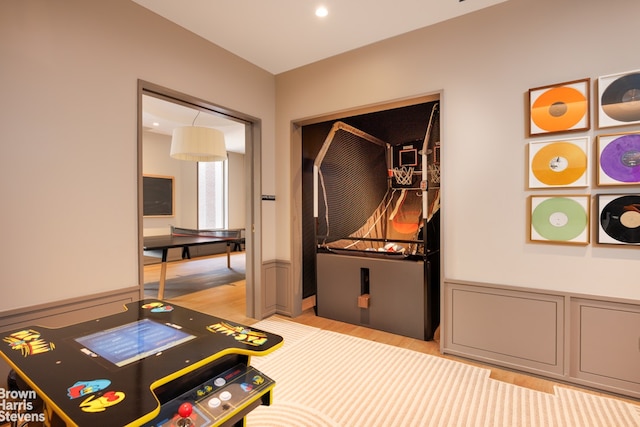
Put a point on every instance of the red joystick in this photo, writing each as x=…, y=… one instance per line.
x=185, y=410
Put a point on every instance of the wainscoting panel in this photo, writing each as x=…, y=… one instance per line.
x=500, y=325
x=606, y=345
x=269, y=288
x=284, y=292
x=67, y=312
x=581, y=339
x=277, y=292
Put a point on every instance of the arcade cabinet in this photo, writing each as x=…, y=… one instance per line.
x=376, y=209
x=154, y=364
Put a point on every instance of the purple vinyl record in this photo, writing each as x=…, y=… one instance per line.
x=620, y=159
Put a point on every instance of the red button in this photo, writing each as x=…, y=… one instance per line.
x=185, y=410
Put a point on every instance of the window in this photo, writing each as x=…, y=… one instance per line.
x=212, y=194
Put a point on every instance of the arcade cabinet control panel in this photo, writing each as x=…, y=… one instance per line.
x=205, y=405
x=155, y=364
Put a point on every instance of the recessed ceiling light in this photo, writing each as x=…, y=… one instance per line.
x=321, y=12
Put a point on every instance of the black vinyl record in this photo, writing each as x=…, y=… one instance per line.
x=620, y=219
x=620, y=100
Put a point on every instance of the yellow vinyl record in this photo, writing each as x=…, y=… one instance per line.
x=559, y=109
x=559, y=163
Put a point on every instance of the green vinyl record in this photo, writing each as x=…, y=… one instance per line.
x=559, y=218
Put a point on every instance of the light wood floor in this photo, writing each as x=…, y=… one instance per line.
x=228, y=302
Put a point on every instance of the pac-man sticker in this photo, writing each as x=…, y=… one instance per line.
x=152, y=305
x=157, y=307
x=29, y=342
x=101, y=403
x=204, y=391
x=83, y=388
x=240, y=333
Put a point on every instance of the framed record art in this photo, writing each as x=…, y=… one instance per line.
x=562, y=107
x=619, y=219
x=619, y=159
x=559, y=219
x=619, y=99
x=559, y=163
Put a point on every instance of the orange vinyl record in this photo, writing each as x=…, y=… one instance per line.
x=559, y=163
x=559, y=109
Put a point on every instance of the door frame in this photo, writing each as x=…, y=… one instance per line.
x=253, y=174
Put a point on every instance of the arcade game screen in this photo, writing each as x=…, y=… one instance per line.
x=133, y=341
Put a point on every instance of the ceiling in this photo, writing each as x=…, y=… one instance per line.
x=159, y=116
x=280, y=35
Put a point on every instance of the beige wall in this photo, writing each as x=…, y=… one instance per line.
x=68, y=166
x=69, y=177
x=484, y=64
x=156, y=161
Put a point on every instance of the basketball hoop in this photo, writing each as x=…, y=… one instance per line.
x=434, y=172
x=403, y=175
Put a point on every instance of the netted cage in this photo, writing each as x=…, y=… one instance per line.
x=360, y=203
x=350, y=182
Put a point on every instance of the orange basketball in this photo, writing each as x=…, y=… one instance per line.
x=406, y=227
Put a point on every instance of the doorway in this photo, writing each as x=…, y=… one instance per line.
x=397, y=123
x=243, y=135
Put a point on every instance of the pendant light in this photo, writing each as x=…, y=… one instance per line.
x=198, y=143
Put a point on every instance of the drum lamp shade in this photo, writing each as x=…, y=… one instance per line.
x=199, y=144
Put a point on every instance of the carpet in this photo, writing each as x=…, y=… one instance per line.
x=327, y=379
x=185, y=277
x=183, y=285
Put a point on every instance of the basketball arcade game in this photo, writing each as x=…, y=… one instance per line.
x=154, y=364
x=373, y=203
